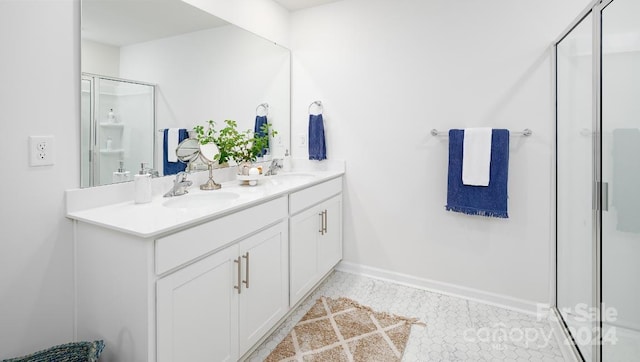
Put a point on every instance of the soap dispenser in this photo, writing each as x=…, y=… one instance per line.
x=142, y=186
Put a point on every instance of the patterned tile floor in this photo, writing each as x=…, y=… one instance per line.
x=457, y=329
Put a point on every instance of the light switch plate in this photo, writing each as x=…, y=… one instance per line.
x=41, y=150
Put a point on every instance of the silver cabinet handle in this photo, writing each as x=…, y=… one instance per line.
x=321, y=231
x=246, y=281
x=325, y=222
x=239, y=286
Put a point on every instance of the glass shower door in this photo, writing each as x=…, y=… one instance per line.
x=575, y=172
x=117, y=129
x=621, y=177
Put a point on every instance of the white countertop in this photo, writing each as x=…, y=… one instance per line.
x=154, y=219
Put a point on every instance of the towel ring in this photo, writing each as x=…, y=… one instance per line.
x=265, y=107
x=317, y=103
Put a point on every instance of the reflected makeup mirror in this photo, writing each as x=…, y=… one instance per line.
x=208, y=154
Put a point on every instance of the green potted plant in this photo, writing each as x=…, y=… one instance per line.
x=227, y=141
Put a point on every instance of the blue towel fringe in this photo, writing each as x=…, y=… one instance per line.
x=479, y=212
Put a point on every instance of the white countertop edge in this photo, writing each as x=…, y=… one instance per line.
x=99, y=216
x=92, y=197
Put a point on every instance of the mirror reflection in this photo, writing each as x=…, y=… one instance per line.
x=153, y=66
x=188, y=150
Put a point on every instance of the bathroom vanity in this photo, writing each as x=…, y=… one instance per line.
x=205, y=276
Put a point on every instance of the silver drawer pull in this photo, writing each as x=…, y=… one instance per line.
x=321, y=231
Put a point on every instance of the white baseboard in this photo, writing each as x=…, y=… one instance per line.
x=498, y=300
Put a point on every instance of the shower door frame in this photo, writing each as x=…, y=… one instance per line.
x=594, y=9
x=94, y=148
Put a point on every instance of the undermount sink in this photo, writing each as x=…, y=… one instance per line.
x=200, y=200
x=293, y=178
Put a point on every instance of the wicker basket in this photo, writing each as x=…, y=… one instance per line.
x=70, y=352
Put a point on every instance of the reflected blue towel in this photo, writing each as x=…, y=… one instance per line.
x=626, y=179
x=172, y=168
x=317, y=146
x=257, y=129
x=479, y=200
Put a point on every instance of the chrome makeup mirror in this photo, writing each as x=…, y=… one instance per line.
x=152, y=65
x=208, y=153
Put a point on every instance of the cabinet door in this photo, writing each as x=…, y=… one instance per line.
x=305, y=230
x=197, y=311
x=265, y=283
x=330, y=241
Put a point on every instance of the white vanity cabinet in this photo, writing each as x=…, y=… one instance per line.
x=202, y=289
x=205, y=293
x=197, y=313
x=219, y=307
x=316, y=235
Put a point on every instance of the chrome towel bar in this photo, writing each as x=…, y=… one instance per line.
x=526, y=132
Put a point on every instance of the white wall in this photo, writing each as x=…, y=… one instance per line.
x=390, y=71
x=39, y=95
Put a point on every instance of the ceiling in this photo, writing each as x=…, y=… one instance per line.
x=293, y=5
x=120, y=23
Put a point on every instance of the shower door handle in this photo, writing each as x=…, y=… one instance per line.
x=601, y=196
x=605, y=196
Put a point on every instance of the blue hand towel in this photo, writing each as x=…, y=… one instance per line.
x=479, y=200
x=626, y=179
x=317, y=146
x=172, y=168
x=257, y=130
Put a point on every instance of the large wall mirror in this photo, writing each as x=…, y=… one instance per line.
x=164, y=64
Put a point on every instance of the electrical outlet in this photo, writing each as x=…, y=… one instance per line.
x=41, y=150
x=302, y=139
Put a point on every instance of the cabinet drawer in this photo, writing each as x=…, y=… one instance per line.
x=181, y=247
x=301, y=200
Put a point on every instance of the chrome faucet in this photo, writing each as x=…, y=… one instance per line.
x=275, y=165
x=180, y=185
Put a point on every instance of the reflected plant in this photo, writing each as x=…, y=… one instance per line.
x=227, y=141
x=207, y=136
x=234, y=145
x=250, y=145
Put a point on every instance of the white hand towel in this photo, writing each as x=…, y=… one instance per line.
x=173, y=139
x=476, y=156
